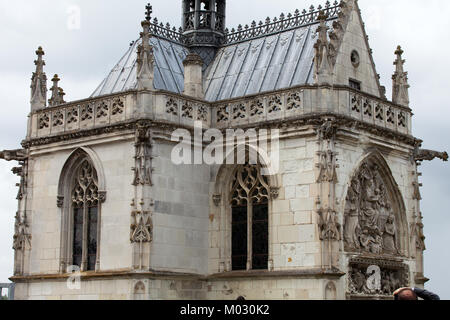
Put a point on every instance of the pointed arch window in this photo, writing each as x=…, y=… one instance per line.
x=85, y=212
x=250, y=217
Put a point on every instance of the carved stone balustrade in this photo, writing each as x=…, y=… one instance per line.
x=276, y=106
x=309, y=100
x=115, y=109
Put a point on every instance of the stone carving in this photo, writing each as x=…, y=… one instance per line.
x=21, y=234
x=329, y=226
x=60, y=201
x=39, y=83
x=324, y=52
x=294, y=101
x=327, y=166
x=216, y=199
x=239, y=111
x=72, y=115
x=187, y=111
x=370, y=223
x=142, y=227
x=57, y=93
x=256, y=108
x=102, y=110
x=16, y=155
x=355, y=102
x=44, y=121
x=400, y=84
x=367, y=108
x=202, y=113
x=222, y=114
x=417, y=233
x=401, y=119
x=143, y=167
x=274, y=192
x=145, y=60
x=390, y=116
x=58, y=118
x=87, y=112
x=118, y=106
x=379, y=112
x=275, y=104
x=429, y=155
x=374, y=277
x=172, y=107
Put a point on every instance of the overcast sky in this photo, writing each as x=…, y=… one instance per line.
x=83, y=54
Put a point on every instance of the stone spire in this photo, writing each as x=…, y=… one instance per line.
x=145, y=59
x=323, y=74
x=400, y=84
x=57, y=93
x=39, y=83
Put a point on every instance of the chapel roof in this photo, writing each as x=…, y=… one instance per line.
x=273, y=55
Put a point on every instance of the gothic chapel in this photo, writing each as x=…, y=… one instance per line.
x=101, y=201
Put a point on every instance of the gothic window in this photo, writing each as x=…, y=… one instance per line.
x=85, y=209
x=250, y=216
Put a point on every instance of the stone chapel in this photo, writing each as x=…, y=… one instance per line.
x=104, y=212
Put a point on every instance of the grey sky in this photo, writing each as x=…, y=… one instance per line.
x=83, y=57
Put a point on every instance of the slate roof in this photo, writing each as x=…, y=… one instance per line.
x=169, y=70
x=278, y=60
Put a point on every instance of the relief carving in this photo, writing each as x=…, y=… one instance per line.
x=141, y=229
x=374, y=277
x=370, y=222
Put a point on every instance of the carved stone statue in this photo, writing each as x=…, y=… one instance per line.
x=370, y=224
x=389, y=235
x=142, y=170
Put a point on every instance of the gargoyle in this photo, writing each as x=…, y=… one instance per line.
x=429, y=155
x=17, y=155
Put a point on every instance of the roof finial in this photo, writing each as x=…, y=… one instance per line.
x=57, y=93
x=400, y=86
x=148, y=12
x=39, y=83
x=145, y=55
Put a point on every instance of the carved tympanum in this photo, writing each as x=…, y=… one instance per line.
x=370, y=222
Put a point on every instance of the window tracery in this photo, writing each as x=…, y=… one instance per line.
x=250, y=231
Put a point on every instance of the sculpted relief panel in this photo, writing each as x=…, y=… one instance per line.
x=371, y=224
x=375, y=277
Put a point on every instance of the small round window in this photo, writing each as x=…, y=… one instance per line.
x=355, y=58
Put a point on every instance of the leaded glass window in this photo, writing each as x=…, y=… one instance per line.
x=250, y=219
x=85, y=207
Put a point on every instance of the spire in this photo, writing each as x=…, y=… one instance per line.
x=57, y=93
x=322, y=47
x=39, y=83
x=145, y=54
x=400, y=84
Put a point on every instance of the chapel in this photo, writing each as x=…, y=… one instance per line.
x=330, y=211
